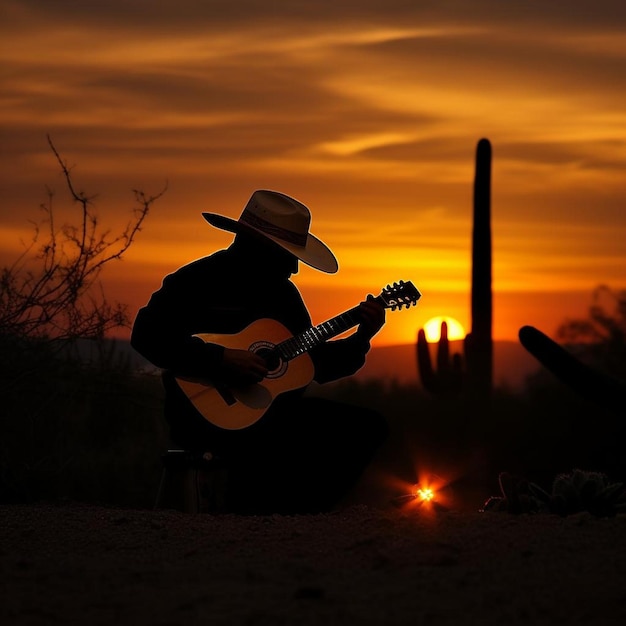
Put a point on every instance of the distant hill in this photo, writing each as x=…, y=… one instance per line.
x=512, y=363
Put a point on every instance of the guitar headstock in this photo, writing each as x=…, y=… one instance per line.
x=399, y=294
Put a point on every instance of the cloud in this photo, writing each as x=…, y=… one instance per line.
x=188, y=13
x=364, y=110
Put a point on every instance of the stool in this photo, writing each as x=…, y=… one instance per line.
x=192, y=482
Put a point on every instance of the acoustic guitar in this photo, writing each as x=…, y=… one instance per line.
x=290, y=366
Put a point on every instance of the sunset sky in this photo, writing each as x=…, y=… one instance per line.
x=368, y=112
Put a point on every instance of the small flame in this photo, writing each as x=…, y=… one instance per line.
x=425, y=494
x=428, y=493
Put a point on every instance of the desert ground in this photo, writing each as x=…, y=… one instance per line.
x=85, y=564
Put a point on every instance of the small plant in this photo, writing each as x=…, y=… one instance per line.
x=575, y=492
x=583, y=491
x=515, y=497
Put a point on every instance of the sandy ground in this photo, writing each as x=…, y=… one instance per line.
x=74, y=564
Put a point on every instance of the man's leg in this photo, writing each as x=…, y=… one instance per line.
x=305, y=456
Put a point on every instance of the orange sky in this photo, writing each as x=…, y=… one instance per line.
x=368, y=115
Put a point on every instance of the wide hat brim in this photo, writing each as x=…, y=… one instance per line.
x=314, y=253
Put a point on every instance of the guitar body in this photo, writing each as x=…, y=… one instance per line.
x=234, y=408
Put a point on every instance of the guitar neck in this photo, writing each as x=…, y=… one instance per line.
x=316, y=335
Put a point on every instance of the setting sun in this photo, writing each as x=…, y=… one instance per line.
x=432, y=328
x=388, y=175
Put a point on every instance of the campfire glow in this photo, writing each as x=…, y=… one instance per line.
x=425, y=494
x=428, y=494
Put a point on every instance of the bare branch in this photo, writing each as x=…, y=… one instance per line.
x=60, y=298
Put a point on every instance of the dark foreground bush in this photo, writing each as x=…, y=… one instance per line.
x=77, y=430
x=93, y=431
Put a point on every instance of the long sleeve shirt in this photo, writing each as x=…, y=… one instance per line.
x=224, y=293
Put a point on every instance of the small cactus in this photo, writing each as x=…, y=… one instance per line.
x=448, y=378
x=583, y=491
x=515, y=496
x=571, y=493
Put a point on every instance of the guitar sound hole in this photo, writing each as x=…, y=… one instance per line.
x=275, y=364
x=271, y=358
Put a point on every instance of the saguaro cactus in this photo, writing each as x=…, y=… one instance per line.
x=477, y=377
x=479, y=344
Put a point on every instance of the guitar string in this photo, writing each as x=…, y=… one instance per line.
x=299, y=344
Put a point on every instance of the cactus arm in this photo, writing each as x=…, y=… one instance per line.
x=425, y=366
x=600, y=388
x=443, y=349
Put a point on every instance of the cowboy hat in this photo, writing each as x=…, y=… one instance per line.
x=283, y=220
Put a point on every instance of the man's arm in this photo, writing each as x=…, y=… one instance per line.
x=343, y=357
x=163, y=329
x=156, y=338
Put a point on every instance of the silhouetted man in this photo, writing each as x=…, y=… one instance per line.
x=304, y=453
